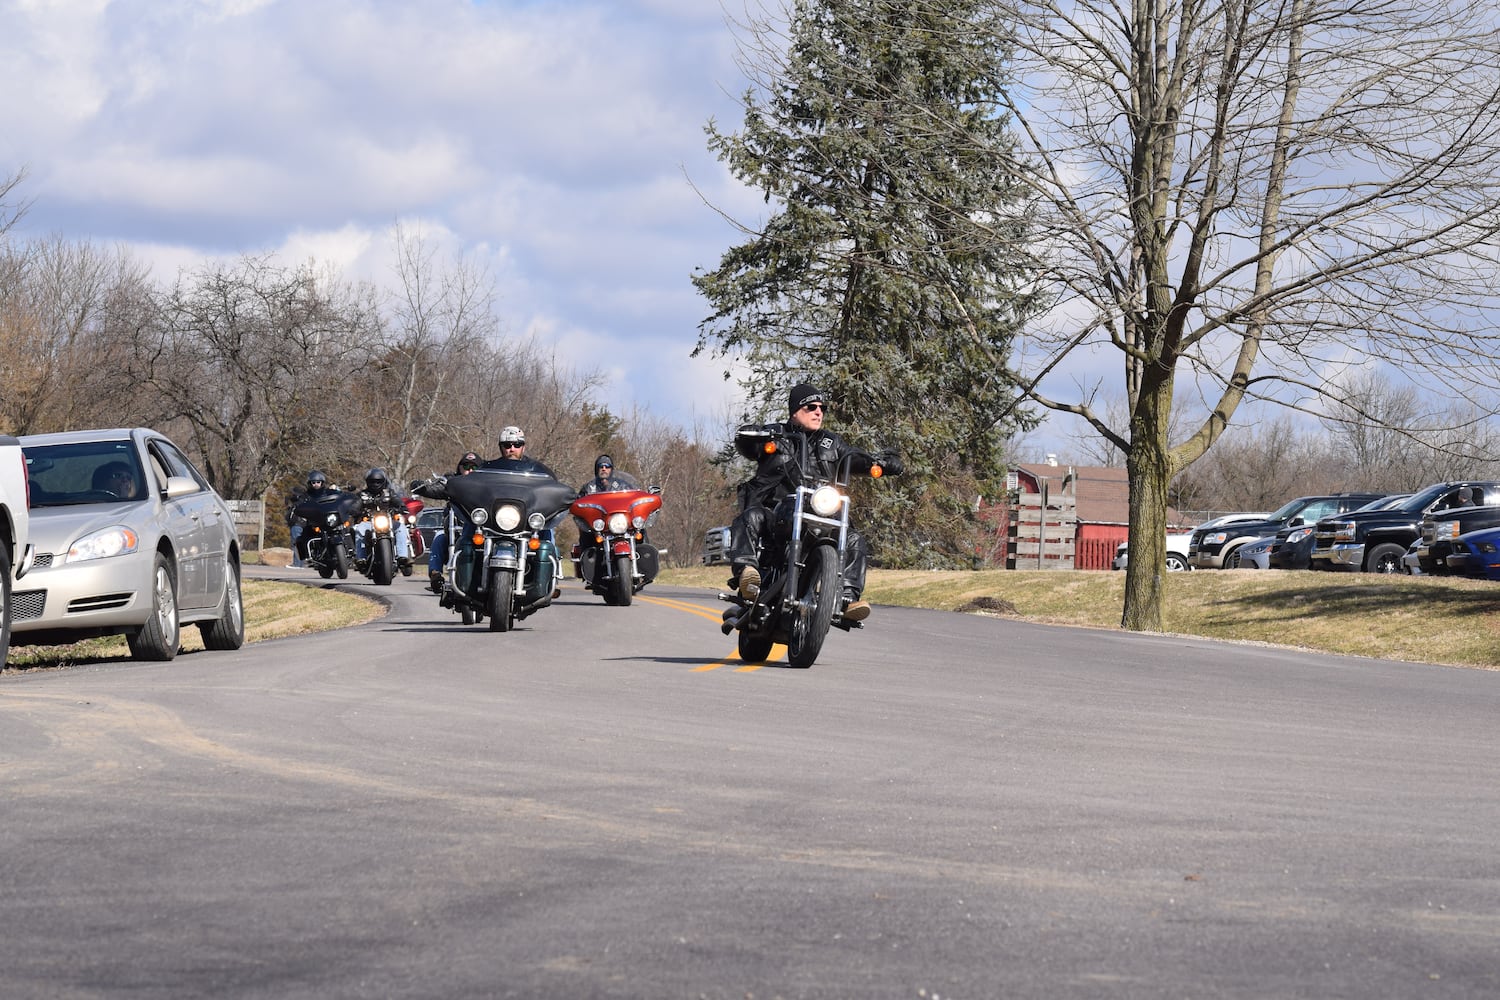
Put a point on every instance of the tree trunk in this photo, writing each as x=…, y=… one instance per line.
x=1150, y=467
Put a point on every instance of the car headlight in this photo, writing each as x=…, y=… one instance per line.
x=1486, y=548
x=507, y=517
x=618, y=523
x=1216, y=538
x=117, y=540
x=826, y=501
x=1297, y=535
x=1447, y=529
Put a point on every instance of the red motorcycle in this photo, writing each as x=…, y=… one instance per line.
x=613, y=557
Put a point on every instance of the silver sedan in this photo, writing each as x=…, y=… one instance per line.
x=130, y=540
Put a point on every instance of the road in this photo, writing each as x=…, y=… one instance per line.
x=606, y=803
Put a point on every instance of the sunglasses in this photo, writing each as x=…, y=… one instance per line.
x=606, y=466
x=813, y=406
x=512, y=444
x=467, y=467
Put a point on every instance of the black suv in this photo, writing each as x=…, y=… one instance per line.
x=1375, y=540
x=1211, y=548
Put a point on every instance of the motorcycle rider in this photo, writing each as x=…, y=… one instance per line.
x=437, y=556
x=776, y=476
x=607, y=480
x=317, y=489
x=378, y=487
x=513, y=454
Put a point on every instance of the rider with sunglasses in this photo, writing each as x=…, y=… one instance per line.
x=776, y=476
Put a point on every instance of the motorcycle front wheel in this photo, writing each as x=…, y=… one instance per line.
x=819, y=596
x=383, y=562
x=501, y=600
x=622, y=585
x=341, y=562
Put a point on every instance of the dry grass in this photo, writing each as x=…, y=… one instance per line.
x=1421, y=619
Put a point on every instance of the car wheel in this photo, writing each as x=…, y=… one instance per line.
x=1385, y=558
x=159, y=637
x=228, y=630
x=1175, y=563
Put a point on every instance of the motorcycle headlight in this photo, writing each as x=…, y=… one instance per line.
x=333, y=519
x=826, y=501
x=537, y=521
x=618, y=522
x=638, y=522
x=507, y=517
x=598, y=524
x=116, y=541
x=382, y=521
x=480, y=515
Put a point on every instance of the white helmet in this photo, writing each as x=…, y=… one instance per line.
x=511, y=435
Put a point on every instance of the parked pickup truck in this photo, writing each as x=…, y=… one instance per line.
x=1213, y=547
x=1375, y=540
x=15, y=520
x=1442, y=527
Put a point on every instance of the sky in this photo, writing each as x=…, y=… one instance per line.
x=559, y=144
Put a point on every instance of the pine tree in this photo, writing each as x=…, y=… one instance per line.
x=885, y=272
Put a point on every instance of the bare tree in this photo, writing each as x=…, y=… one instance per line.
x=1240, y=197
x=253, y=359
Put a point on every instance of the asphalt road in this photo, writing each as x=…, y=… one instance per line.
x=605, y=803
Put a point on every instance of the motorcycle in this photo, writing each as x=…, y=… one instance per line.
x=327, y=541
x=502, y=562
x=802, y=563
x=612, y=556
x=377, y=523
x=413, y=507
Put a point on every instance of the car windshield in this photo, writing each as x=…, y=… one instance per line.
x=87, y=472
x=1288, y=509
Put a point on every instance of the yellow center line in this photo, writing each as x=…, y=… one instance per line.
x=777, y=651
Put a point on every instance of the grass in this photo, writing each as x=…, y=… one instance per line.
x=1422, y=619
x=1416, y=618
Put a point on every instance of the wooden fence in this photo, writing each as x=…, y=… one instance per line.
x=1042, y=532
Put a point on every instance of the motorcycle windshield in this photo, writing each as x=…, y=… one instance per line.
x=346, y=505
x=637, y=503
x=530, y=491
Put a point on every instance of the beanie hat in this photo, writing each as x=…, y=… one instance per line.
x=802, y=394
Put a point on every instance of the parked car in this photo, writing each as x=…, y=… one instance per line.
x=1476, y=553
x=429, y=522
x=1294, y=545
x=1254, y=554
x=1212, y=545
x=1177, y=543
x=1376, y=540
x=716, y=546
x=1411, y=562
x=15, y=534
x=131, y=540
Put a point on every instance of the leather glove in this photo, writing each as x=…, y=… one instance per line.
x=890, y=462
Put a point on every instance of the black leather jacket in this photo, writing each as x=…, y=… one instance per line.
x=818, y=454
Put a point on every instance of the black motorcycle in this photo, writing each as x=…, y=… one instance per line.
x=502, y=561
x=327, y=542
x=379, y=511
x=802, y=564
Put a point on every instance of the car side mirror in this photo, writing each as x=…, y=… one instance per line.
x=1296, y=522
x=179, y=486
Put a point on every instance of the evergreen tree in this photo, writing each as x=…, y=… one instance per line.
x=885, y=273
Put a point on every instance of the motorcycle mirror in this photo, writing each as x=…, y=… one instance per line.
x=655, y=489
x=414, y=484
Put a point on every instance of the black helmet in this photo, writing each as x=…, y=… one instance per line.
x=603, y=462
x=468, y=461
x=316, y=480
x=376, y=479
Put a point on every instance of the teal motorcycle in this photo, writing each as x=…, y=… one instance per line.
x=502, y=561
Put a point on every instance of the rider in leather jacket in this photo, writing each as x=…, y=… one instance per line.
x=777, y=474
